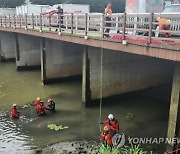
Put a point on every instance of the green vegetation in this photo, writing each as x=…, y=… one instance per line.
x=40, y=151
x=104, y=149
x=57, y=127
x=132, y=149
x=129, y=116
x=11, y=3
x=96, y=6
x=24, y=106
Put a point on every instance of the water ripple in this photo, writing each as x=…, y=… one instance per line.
x=11, y=136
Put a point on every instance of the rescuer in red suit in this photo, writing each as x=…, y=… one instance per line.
x=106, y=136
x=113, y=123
x=14, y=112
x=40, y=108
x=37, y=101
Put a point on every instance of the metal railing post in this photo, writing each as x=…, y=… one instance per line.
x=124, y=26
x=20, y=21
x=150, y=28
x=50, y=23
x=32, y=21
x=71, y=23
x=102, y=25
x=1, y=21
x=5, y=21
x=26, y=22
x=59, y=20
x=14, y=16
x=9, y=20
x=86, y=27
x=40, y=22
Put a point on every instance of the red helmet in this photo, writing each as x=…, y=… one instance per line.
x=107, y=127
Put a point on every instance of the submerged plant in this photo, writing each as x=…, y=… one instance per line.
x=57, y=127
x=40, y=151
x=133, y=149
x=24, y=106
x=105, y=149
x=129, y=116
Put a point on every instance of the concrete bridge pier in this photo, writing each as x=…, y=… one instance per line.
x=174, y=113
x=7, y=46
x=27, y=52
x=60, y=60
x=122, y=73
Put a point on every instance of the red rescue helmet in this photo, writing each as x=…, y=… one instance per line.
x=107, y=127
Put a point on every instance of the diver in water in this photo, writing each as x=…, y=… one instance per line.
x=51, y=105
x=14, y=112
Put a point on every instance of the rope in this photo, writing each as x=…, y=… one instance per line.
x=101, y=85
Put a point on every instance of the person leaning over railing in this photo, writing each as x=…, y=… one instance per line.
x=108, y=15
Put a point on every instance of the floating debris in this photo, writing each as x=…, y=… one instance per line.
x=57, y=127
x=24, y=106
x=129, y=116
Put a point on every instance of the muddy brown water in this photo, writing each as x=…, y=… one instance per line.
x=149, y=109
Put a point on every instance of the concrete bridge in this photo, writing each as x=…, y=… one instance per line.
x=68, y=47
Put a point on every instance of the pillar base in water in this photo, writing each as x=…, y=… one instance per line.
x=23, y=68
x=62, y=79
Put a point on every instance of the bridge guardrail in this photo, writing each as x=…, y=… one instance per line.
x=146, y=28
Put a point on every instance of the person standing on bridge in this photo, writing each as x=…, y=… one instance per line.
x=60, y=15
x=108, y=15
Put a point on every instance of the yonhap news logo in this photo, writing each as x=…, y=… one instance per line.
x=119, y=140
x=160, y=140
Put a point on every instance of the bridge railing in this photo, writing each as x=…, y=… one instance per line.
x=146, y=29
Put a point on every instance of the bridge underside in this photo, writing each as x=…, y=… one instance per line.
x=7, y=46
x=121, y=73
x=60, y=60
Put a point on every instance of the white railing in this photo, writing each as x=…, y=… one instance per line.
x=94, y=24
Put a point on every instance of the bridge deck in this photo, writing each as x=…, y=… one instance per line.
x=148, y=45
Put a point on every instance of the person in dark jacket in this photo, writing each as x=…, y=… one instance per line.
x=51, y=105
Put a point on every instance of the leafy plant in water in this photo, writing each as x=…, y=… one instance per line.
x=24, y=106
x=40, y=151
x=133, y=149
x=129, y=116
x=57, y=127
x=105, y=149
